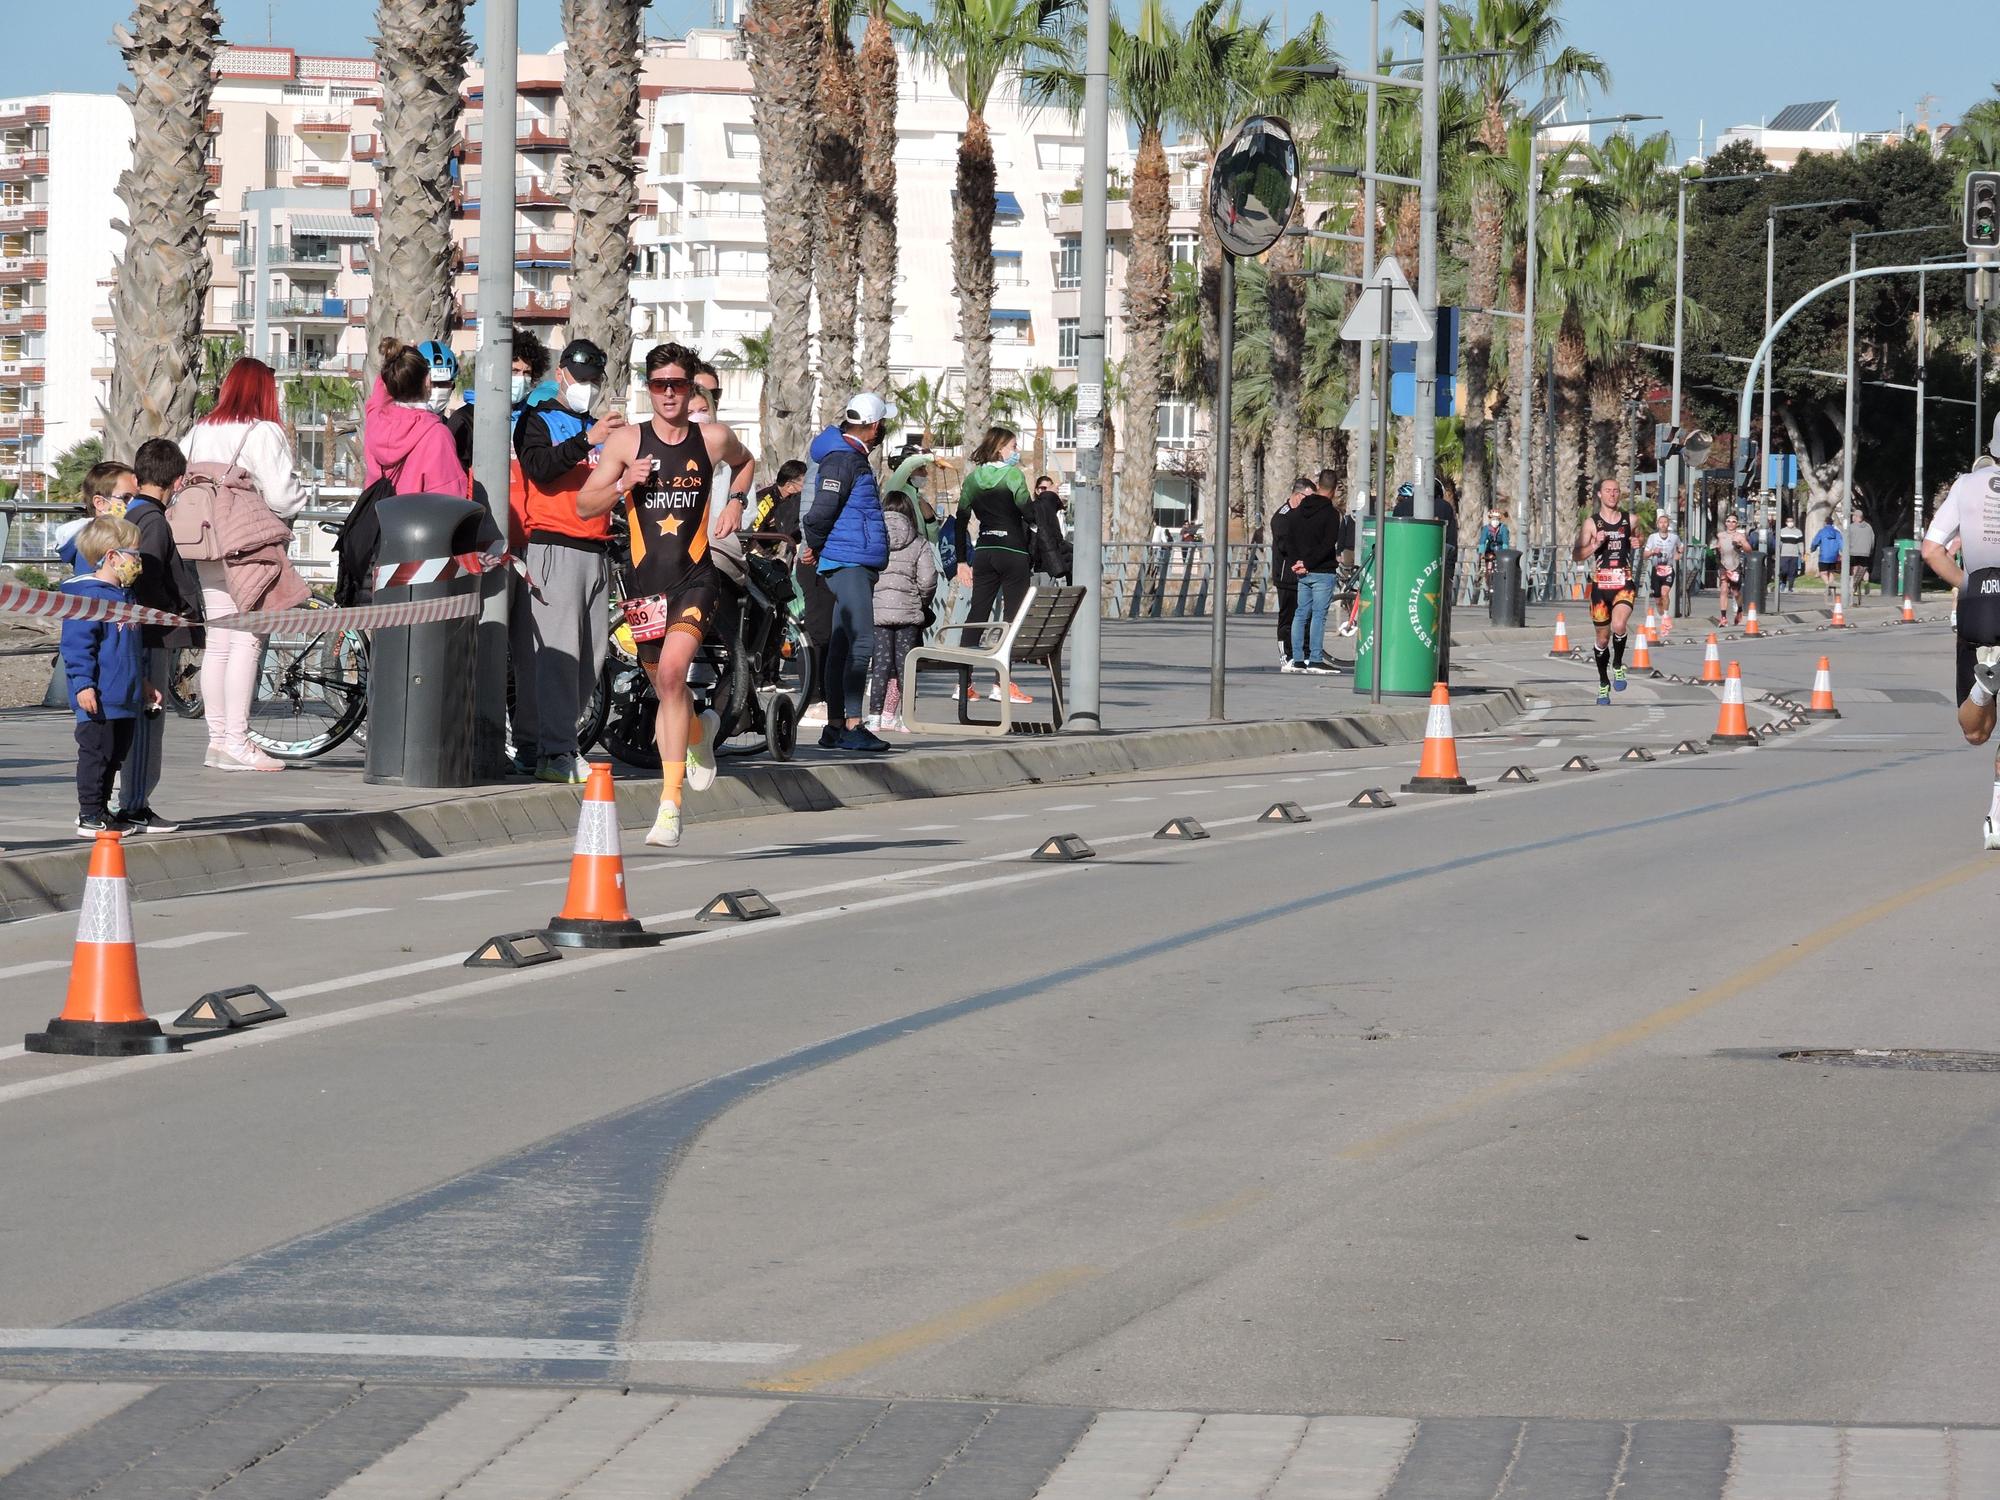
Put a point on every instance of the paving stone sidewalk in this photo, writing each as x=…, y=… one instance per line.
x=246, y=1440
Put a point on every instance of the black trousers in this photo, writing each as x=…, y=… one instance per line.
x=1288, y=605
x=101, y=748
x=997, y=573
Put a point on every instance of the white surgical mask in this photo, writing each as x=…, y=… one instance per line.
x=579, y=396
x=440, y=397
x=517, y=388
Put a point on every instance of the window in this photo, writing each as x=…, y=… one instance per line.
x=1185, y=248
x=1007, y=270
x=1069, y=267
x=741, y=142
x=1177, y=424
x=1054, y=155
x=1066, y=343
x=1065, y=429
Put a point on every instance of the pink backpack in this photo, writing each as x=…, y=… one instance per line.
x=209, y=493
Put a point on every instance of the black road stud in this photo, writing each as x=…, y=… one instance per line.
x=224, y=1010
x=1284, y=812
x=1579, y=763
x=1373, y=796
x=1690, y=747
x=1638, y=752
x=1063, y=848
x=738, y=906
x=1519, y=774
x=513, y=950
x=1182, y=828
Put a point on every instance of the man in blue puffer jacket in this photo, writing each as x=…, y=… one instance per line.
x=846, y=539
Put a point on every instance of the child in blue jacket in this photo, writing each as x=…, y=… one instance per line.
x=105, y=664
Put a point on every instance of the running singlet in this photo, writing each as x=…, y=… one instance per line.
x=1613, y=558
x=666, y=515
x=1971, y=512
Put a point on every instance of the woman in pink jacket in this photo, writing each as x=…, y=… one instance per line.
x=401, y=436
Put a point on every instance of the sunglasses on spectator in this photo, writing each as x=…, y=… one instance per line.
x=667, y=385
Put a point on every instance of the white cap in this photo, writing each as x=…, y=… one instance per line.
x=868, y=407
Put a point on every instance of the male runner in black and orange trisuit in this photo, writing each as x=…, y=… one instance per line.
x=1606, y=539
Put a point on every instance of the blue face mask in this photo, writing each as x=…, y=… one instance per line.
x=1014, y=459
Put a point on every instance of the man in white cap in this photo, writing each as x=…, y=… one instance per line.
x=848, y=542
x=1968, y=523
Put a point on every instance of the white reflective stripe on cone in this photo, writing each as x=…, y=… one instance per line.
x=1732, y=690
x=1438, y=727
x=104, y=916
x=597, y=829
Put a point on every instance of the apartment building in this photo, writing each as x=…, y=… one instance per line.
x=1812, y=126
x=60, y=156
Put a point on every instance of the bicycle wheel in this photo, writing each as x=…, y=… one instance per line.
x=183, y=684
x=312, y=692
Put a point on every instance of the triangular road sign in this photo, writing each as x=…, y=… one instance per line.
x=1407, y=323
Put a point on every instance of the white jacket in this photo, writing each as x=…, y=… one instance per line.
x=266, y=455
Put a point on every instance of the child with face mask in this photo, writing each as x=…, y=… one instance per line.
x=104, y=663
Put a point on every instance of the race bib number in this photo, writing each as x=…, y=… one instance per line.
x=1611, y=578
x=646, y=618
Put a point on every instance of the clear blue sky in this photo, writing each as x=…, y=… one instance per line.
x=1721, y=61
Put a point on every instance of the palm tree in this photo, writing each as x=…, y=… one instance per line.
x=1576, y=226
x=837, y=165
x=1526, y=40
x=421, y=51
x=217, y=355
x=876, y=71
x=1039, y=396
x=162, y=277
x=975, y=42
x=1633, y=301
x=753, y=354
x=923, y=405
x=66, y=482
x=601, y=88
x=784, y=39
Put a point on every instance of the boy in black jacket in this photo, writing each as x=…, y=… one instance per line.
x=166, y=581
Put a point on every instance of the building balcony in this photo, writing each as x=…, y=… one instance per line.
x=320, y=174
x=361, y=202
x=722, y=226
x=553, y=251
x=19, y=166
x=24, y=216
x=211, y=123
x=531, y=133
x=15, y=269
x=529, y=192
x=707, y=284
x=529, y=307
x=21, y=372
x=321, y=122
x=365, y=145
x=23, y=319
x=26, y=115
x=101, y=372
x=214, y=169
x=21, y=423
x=288, y=253
x=295, y=309
x=293, y=362
x=357, y=310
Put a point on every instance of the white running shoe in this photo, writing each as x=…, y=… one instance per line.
x=666, y=830
x=1986, y=668
x=871, y=722
x=700, y=757
x=1992, y=835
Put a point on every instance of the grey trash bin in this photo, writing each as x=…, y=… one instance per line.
x=1508, y=605
x=421, y=677
x=1757, y=582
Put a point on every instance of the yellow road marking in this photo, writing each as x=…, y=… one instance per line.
x=1599, y=1048
x=941, y=1329
x=1228, y=1209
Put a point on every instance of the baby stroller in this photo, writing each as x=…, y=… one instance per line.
x=752, y=669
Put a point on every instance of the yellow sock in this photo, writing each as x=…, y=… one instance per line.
x=670, y=782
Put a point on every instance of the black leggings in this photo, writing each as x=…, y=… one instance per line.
x=892, y=644
x=996, y=571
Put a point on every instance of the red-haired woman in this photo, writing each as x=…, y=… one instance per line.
x=244, y=430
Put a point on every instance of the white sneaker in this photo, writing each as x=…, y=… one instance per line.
x=666, y=830
x=1292, y=666
x=1992, y=835
x=701, y=755
x=893, y=724
x=871, y=721
x=249, y=758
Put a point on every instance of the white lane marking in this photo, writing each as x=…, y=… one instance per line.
x=341, y=915
x=1295, y=780
x=930, y=828
x=1548, y=744
x=398, y=1346
x=529, y=885
x=40, y=966
x=188, y=939
x=650, y=865
x=1000, y=818
x=1071, y=807
x=461, y=895
x=1132, y=799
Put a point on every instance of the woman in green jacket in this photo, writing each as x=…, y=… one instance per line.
x=994, y=559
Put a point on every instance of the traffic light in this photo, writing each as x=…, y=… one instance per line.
x=1982, y=211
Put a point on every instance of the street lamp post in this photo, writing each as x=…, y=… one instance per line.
x=1087, y=520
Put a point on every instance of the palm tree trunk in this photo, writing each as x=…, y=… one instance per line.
x=601, y=88
x=1572, y=418
x=972, y=270
x=1148, y=292
x=784, y=42
x=1606, y=398
x=1285, y=302
x=877, y=75
x=1482, y=289
x=421, y=51
x=837, y=266
x=163, y=273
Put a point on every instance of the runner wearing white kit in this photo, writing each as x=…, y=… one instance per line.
x=1968, y=523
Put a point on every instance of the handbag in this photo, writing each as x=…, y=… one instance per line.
x=209, y=491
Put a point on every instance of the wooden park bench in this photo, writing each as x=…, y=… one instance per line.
x=1033, y=638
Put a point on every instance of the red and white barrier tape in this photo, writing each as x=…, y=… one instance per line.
x=47, y=604
x=438, y=569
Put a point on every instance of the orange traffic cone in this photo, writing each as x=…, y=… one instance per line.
x=103, y=1016
x=1732, y=725
x=1909, y=611
x=1821, y=706
x=1437, y=770
x=1711, y=661
x=1652, y=631
x=594, y=913
x=1560, y=646
x=1642, y=655
x=1839, y=614
x=1750, y=625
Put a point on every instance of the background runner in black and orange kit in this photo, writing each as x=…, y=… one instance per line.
x=1606, y=539
x=660, y=473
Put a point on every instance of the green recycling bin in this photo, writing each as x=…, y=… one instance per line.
x=1413, y=583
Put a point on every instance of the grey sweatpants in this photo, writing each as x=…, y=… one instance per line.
x=141, y=772
x=558, y=643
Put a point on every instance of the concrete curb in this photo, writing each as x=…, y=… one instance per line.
x=187, y=864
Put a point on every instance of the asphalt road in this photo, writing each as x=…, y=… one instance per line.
x=1468, y=1108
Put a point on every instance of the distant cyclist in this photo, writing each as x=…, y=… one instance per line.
x=1662, y=562
x=1969, y=522
x=1606, y=538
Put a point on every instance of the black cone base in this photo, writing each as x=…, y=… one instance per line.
x=1451, y=785
x=103, y=1039
x=1820, y=713
x=584, y=932
x=1732, y=739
